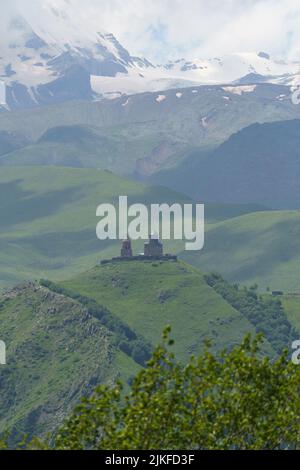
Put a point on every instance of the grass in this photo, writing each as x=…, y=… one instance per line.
x=291, y=304
x=48, y=222
x=148, y=296
x=262, y=247
x=48, y=219
x=82, y=147
x=55, y=355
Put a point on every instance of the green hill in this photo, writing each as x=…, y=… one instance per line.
x=48, y=219
x=262, y=247
x=149, y=295
x=81, y=146
x=56, y=353
x=59, y=348
x=64, y=338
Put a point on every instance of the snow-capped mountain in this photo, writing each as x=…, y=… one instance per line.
x=51, y=57
x=41, y=66
x=236, y=69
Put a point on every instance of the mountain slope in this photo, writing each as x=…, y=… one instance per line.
x=9, y=142
x=259, y=164
x=56, y=353
x=82, y=147
x=291, y=304
x=262, y=248
x=48, y=219
x=148, y=296
x=59, y=348
x=48, y=229
x=147, y=133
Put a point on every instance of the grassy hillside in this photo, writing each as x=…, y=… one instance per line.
x=64, y=340
x=150, y=295
x=82, y=146
x=48, y=219
x=9, y=142
x=262, y=247
x=291, y=304
x=56, y=353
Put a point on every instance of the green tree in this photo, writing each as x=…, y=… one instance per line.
x=235, y=400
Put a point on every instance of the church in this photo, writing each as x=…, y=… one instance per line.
x=153, y=250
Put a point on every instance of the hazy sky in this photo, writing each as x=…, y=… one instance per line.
x=163, y=29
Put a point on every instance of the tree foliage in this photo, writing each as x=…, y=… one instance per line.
x=234, y=400
x=266, y=313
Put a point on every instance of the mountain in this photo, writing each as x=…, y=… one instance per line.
x=259, y=164
x=48, y=55
x=73, y=146
x=57, y=352
x=237, y=68
x=10, y=141
x=142, y=135
x=66, y=338
x=42, y=66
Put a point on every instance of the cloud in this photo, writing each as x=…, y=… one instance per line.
x=163, y=29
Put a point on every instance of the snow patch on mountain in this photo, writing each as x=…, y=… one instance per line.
x=126, y=102
x=239, y=90
x=228, y=70
x=160, y=98
x=2, y=93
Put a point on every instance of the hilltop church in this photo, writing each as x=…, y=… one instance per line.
x=153, y=250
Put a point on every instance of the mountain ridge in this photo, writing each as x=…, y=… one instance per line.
x=259, y=164
x=142, y=135
x=51, y=57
